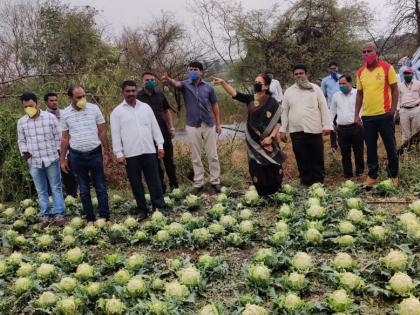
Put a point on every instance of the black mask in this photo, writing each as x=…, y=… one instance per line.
x=257, y=87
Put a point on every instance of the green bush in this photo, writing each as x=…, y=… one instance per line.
x=15, y=180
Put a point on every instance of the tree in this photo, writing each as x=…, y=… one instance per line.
x=310, y=31
x=163, y=46
x=406, y=17
x=215, y=25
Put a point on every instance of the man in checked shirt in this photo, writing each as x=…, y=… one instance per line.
x=39, y=142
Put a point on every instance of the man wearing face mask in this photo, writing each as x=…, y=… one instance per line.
x=350, y=135
x=330, y=86
x=39, y=142
x=408, y=103
x=306, y=117
x=200, y=101
x=158, y=102
x=84, y=138
x=69, y=181
x=135, y=131
x=377, y=92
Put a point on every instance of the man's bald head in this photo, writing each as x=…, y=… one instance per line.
x=370, y=46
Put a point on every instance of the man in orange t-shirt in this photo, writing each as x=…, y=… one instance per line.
x=377, y=92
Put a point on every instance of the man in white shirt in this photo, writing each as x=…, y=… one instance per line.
x=350, y=135
x=275, y=87
x=408, y=103
x=135, y=131
x=306, y=117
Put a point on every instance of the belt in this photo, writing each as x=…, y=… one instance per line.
x=410, y=107
x=347, y=126
x=96, y=150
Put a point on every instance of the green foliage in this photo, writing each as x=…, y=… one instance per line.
x=311, y=31
x=15, y=181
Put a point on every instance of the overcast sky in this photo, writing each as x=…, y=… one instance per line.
x=133, y=13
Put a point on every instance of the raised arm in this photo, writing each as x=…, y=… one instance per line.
x=227, y=87
x=174, y=83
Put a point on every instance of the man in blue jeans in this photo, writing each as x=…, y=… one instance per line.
x=135, y=131
x=39, y=142
x=84, y=130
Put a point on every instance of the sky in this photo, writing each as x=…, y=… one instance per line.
x=134, y=13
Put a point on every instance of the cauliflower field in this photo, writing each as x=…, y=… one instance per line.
x=301, y=251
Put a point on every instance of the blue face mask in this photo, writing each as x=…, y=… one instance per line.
x=334, y=75
x=193, y=75
x=344, y=89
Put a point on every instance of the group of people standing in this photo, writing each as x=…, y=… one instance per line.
x=75, y=139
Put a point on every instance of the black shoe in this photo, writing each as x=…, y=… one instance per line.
x=164, y=210
x=197, y=191
x=142, y=215
x=217, y=188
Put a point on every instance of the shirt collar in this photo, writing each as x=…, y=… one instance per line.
x=192, y=83
x=124, y=102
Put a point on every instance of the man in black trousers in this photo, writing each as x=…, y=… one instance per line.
x=306, y=117
x=350, y=134
x=158, y=102
x=135, y=135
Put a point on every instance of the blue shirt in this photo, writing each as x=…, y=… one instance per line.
x=198, y=102
x=329, y=86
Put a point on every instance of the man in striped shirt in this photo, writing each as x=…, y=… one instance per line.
x=84, y=131
x=39, y=142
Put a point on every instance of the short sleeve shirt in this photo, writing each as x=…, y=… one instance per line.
x=376, y=88
x=198, y=102
x=82, y=126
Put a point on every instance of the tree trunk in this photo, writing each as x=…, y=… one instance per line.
x=417, y=12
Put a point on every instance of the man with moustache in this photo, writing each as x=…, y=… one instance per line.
x=135, y=131
x=84, y=138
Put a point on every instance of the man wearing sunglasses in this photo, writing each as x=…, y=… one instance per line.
x=408, y=103
x=84, y=138
x=377, y=91
x=150, y=95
